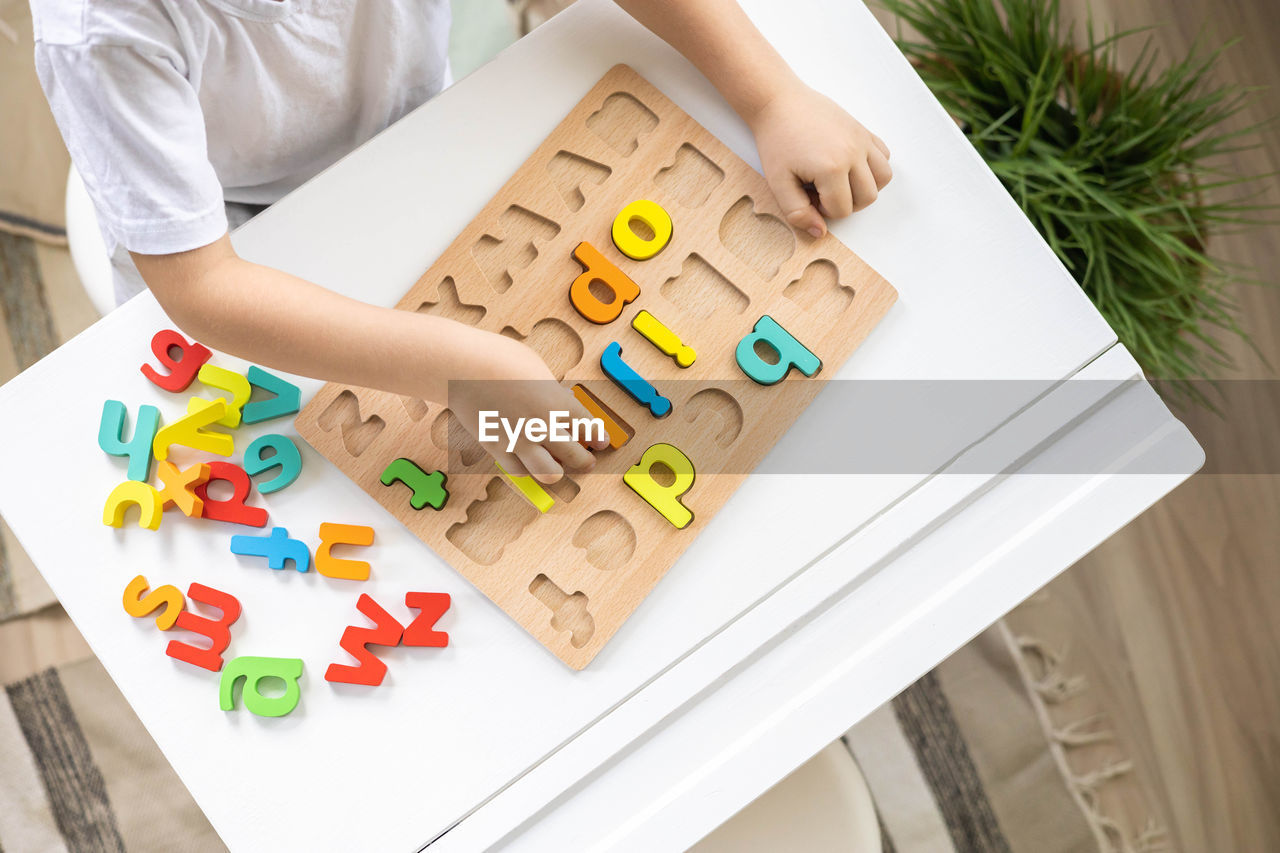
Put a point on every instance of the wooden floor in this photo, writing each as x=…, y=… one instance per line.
x=1175, y=621
x=1173, y=625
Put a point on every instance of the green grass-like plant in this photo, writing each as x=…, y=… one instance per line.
x=1120, y=170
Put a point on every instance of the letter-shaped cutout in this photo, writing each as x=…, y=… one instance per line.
x=286, y=457
x=343, y=417
x=617, y=430
x=421, y=631
x=665, y=499
x=253, y=670
x=189, y=431
x=568, y=612
x=371, y=670
x=137, y=448
x=217, y=630
x=236, y=386
x=180, y=487
x=428, y=489
x=667, y=341
x=531, y=489
x=632, y=244
x=277, y=547
x=342, y=534
x=286, y=401
x=233, y=509
x=599, y=270
x=139, y=603
x=633, y=383
x=791, y=353
x=183, y=369
x=132, y=493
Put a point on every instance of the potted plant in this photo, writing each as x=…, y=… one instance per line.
x=1120, y=170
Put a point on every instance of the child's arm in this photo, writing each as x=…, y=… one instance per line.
x=282, y=321
x=805, y=139
x=135, y=127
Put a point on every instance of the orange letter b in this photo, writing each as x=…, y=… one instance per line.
x=598, y=269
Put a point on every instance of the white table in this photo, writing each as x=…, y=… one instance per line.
x=844, y=590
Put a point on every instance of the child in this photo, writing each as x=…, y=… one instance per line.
x=178, y=111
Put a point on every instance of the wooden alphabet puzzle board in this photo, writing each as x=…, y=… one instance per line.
x=572, y=575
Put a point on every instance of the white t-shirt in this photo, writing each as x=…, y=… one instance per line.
x=171, y=108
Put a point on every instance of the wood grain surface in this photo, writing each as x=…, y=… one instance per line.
x=1174, y=622
x=573, y=575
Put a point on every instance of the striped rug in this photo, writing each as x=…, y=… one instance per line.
x=78, y=772
x=957, y=763
x=41, y=305
x=33, y=161
x=960, y=763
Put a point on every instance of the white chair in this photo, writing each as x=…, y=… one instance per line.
x=822, y=807
x=88, y=251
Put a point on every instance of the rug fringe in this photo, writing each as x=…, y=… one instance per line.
x=1044, y=675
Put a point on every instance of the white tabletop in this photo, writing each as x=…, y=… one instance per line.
x=466, y=746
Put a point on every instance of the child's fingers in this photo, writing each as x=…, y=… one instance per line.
x=863, y=186
x=510, y=463
x=577, y=410
x=539, y=463
x=571, y=455
x=792, y=197
x=880, y=169
x=884, y=149
x=834, y=195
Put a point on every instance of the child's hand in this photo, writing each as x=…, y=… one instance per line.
x=516, y=383
x=810, y=147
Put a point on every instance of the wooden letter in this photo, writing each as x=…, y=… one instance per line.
x=386, y=632
x=342, y=534
x=531, y=489
x=665, y=499
x=138, y=448
x=276, y=547
x=617, y=430
x=286, y=457
x=633, y=383
x=791, y=353
x=632, y=244
x=285, y=402
x=182, y=369
x=421, y=631
x=217, y=630
x=253, y=670
x=138, y=602
x=599, y=270
x=233, y=509
x=663, y=338
x=428, y=489
x=221, y=379
x=190, y=431
x=132, y=493
x=179, y=487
